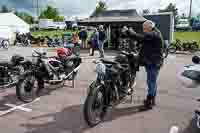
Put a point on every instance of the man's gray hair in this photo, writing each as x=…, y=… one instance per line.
x=149, y=23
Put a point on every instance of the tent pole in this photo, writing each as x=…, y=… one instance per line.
x=109, y=36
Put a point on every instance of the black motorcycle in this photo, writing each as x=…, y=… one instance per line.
x=50, y=70
x=22, y=39
x=11, y=70
x=115, y=82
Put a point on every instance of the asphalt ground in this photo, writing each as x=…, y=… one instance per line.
x=60, y=110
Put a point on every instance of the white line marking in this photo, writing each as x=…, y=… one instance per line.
x=19, y=107
x=16, y=107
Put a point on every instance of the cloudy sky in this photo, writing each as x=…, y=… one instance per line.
x=83, y=8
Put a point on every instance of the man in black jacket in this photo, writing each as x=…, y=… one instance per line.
x=151, y=57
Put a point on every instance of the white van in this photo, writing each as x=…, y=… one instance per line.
x=47, y=24
x=183, y=24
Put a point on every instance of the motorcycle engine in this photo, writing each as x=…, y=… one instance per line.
x=4, y=76
x=16, y=59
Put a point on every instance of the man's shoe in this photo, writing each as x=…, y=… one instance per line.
x=148, y=102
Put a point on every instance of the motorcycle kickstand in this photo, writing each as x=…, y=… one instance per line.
x=131, y=101
x=73, y=82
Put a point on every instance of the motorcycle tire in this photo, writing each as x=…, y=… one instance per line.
x=194, y=48
x=76, y=50
x=89, y=104
x=172, y=49
x=26, y=43
x=28, y=87
x=5, y=44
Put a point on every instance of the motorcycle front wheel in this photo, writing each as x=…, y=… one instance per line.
x=76, y=50
x=94, y=107
x=27, y=87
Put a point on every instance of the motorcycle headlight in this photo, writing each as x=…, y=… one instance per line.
x=101, y=69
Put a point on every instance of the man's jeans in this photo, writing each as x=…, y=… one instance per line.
x=101, y=46
x=152, y=75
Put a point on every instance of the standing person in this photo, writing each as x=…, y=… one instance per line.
x=75, y=38
x=151, y=57
x=94, y=41
x=83, y=36
x=101, y=41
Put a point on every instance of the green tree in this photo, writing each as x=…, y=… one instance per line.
x=25, y=16
x=59, y=18
x=171, y=8
x=4, y=9
x=49, y=13
x=101, y=6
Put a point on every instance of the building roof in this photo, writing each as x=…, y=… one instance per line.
x=160, y=13
x=115, y=16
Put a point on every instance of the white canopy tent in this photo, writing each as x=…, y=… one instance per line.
x=14, y=22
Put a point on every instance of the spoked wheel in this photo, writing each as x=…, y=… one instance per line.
x=27, y=88
x=165, y=53
x=94, y=107
x=172, y=49
x=194, y=48
x=5, y=44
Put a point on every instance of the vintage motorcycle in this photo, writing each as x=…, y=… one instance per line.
x=51, y=70
x=190, y=78
x=115, y=82
x=11, y=70
x=22, y=40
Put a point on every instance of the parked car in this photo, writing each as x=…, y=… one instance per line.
x=60, y=25
x=196, y=25
x=183, y=24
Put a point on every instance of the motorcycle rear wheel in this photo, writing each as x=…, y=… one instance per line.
x=194, y=48
x=27, y=84
x=5, y=44
x=172, y=49
x=94, y=105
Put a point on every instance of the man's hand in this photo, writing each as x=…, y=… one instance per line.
x=124, y=29
x=132, y=31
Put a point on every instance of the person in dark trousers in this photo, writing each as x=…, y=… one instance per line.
x=101, y=40
x=151, y=57
x=93, y=41
x=83, y=36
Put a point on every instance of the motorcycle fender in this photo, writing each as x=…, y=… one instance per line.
x=92, y=86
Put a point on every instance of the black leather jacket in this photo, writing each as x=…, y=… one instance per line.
x=152, y=48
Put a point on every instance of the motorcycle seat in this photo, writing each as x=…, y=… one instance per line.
x=108, y=61
x=5, y=64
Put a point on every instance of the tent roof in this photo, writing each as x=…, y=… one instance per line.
x=115, y=16
x=10, y=19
